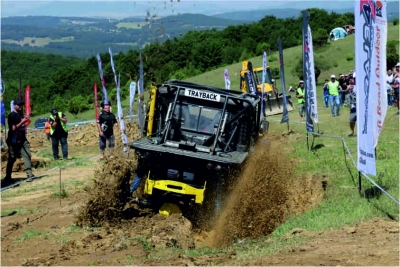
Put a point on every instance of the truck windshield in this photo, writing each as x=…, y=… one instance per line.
x=267, y=77
x=197, y=118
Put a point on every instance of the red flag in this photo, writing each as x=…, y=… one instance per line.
x=96, y=104
x=28, y=104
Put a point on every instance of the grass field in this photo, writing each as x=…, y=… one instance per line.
x=34, y=41
x=132, y=25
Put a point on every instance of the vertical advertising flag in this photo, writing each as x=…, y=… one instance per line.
x=113, y=67
x=313, y=110
x=307, y=73
x=370, y=42
x=250, y=79
x=264, y=77
x=2, y=107
x=141, y=107
x=285, y=114
x=28, y=104
x=132, y=91
x=227, y=80
x=96, y=101
x=12, y=105
x=103, y=83
x=121, y=116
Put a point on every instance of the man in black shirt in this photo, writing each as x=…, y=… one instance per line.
x=17, y=142
x=58, y=133
x=105, y=124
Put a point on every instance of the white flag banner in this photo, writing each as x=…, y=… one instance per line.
x=313, y=88
x=121, y=117
x=227, y=80
x=140, y=108
x=370, y=52
x=132, y=91
x=103, y=83
x=264, y=77
x=12, y=105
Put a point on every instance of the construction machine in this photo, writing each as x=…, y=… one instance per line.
x=274, y=99
x=194, y=137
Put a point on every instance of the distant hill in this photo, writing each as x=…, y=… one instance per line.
x=83, y=37
x=256, y=15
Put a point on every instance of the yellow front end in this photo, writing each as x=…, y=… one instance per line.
x=174, y=187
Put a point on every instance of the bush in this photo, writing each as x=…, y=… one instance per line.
x=395, y=21
x=272, y=58
x=349, y=57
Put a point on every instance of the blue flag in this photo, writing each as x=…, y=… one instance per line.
x=285, y=115
x=2, y=107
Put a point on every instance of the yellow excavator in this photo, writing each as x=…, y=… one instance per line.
x=274, y=99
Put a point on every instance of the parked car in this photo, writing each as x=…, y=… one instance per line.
x=40, y=123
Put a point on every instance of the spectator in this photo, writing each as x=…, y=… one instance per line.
x=351, y=91
x=301, y=100
x=390, y=94
x=105, y=124
x=389, y=77
x=47, y=128
x=396, y=86
x=333, y=87
x=17, y=142
x=342, y=89
x=59, y=133
x=326, y=93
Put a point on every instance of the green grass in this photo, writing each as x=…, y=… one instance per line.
x=27, y=234
x=19, y=211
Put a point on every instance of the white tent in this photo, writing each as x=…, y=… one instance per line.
x=337, y=33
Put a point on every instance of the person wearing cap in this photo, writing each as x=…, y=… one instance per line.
x=333, y=87
x=58, y=133
x=301, y=100
x=105, y=124
x=17, y=142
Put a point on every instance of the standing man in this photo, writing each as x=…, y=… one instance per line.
x=301, y=100
x=47, y=128
x=351, y=91
x=17, y=142
x=333, y=87
x=58, y=133
x=326, y=93
x=105, y=124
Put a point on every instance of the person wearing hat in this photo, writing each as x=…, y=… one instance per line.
x=301, y=100
x=17, y=142
x=333, y=87
x=105, y=124
x=58, y=133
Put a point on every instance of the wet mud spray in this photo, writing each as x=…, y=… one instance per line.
x=265, y=194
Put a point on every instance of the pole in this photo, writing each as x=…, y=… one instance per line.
x=60, y=185
x=308, y=146
x=359, y=182
x=288, y=126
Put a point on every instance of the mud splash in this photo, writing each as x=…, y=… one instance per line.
x=264, y=196
x=109, y=192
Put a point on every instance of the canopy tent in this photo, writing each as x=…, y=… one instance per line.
x=337, y=33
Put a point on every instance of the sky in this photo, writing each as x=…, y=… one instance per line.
x=125, y=8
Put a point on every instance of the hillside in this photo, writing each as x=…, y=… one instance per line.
x=294, y=10
x=335, y=53
x=84, y=37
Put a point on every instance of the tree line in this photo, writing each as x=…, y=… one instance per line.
x=67, y=82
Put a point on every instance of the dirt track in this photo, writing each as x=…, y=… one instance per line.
x=42, y=232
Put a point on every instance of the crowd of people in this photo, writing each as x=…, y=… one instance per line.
x=56, y=131
x=342, y=92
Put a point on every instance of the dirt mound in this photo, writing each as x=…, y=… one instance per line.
x=264, y=196
x=108, y=192
x=36, y=162
x=88, y=135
